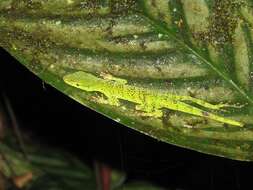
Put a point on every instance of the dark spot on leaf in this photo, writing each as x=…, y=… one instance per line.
x=225, y=125
x=222, y=23
x=204, y=113
x=143, y=45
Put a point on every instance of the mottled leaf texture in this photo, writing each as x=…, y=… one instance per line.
x=200, y=51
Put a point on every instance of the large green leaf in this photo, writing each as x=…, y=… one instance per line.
x=193, y=48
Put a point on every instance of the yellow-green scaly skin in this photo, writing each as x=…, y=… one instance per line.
x=148, y=101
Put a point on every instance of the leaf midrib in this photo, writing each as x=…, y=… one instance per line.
x=166, y=31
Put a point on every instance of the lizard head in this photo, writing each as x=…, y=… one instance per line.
x=82, y=80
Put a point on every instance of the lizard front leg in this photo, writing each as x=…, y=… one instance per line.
x=111, y=101
x=149, y=110
x=109, y=77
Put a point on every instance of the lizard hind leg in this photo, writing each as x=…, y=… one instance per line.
x=183, y=107
x=209, y=105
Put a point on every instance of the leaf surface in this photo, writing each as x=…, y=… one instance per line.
x=200, y=49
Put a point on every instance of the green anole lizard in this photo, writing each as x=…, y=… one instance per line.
x=148, y=101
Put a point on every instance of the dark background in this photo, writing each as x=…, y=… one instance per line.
x=58, y=121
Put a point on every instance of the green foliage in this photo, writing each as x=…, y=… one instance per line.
x=201, y=49
x=53, y=169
